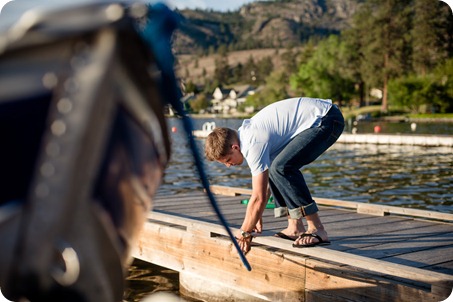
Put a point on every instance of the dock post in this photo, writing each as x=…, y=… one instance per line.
x=205, y=289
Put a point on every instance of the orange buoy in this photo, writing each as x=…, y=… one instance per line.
x=377, y=129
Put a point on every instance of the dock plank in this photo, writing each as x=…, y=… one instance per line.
x=371, y=241
x=444, y=268
x=419, y=258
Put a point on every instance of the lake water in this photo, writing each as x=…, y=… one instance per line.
x=406, y=176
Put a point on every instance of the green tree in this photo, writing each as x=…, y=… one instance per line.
x=289, y=60
x=274, y=90
x=352, y=61
x=191, y=87
x=249, y=69
x=263, y=68
x=322, y=75
x=237, y=73
x=443, y=76
x=411, y=92
x=201, y=102
x=211, y=50
x=222, y=50
x=429, y=35
x=433, y=91
x=222, y=72
x=383, y=28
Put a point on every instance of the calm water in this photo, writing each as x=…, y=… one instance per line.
x=406, y=176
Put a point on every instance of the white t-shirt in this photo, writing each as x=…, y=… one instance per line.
x=264, y=135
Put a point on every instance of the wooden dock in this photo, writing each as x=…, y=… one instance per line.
x=397, y=139
x=378, y=253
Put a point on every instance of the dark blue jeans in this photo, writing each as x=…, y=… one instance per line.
x=291, y=194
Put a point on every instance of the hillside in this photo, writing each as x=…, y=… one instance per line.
x=191, y=67
x=262, y=24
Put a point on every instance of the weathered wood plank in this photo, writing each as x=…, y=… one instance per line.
x=348, y=221
x=360, y=262
x=329, y=255
x=230, y=191
x=214, y=257
x=368, y=208
x=391, y=233
x=399, y=244
x=325, y=282
x=173, y=200
x=444, y=267
x=389, y=243
x=372, y=241
x=438, y=255
x=190, y=251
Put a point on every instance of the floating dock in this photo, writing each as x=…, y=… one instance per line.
x=398, y=139
x=378, y=253
x=379, y=139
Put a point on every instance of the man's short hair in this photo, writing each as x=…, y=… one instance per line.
x=218, y=143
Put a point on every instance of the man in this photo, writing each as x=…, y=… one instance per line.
x=276, y=143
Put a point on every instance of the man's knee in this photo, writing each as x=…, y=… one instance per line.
x=276, y=169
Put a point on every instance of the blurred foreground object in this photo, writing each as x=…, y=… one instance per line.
x=84, y=145
x=162, y=297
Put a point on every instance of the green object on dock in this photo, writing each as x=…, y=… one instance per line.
x=270, y=202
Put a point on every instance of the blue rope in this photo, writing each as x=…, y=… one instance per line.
x=157, y=32
x=187, y=123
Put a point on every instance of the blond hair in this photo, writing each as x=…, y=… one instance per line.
x=218, y=143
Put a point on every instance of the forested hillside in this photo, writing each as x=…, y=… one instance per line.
x=395, y=52
x=262, y=24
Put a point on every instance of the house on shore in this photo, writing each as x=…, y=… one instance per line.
x=228, y=100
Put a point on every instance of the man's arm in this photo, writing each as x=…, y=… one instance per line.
x=257, y=202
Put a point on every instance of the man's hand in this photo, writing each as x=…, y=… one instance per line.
x=257, y=203
x=244, y=242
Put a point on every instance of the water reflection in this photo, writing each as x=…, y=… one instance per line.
x=407, y=176
x=145, y=279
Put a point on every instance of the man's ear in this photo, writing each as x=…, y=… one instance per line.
x=235, y=147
